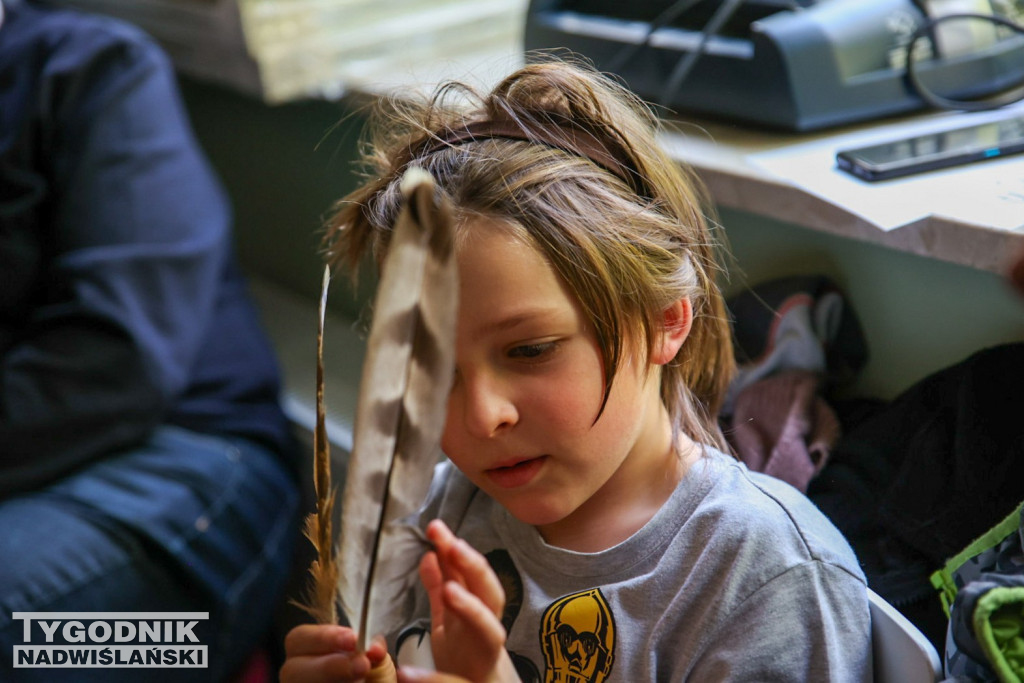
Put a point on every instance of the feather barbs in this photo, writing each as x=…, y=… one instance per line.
x=400, y=412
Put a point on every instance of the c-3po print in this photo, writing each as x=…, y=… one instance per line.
x=578, y=637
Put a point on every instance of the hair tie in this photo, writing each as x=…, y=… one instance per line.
x=560, y=133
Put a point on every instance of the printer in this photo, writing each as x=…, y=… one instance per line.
x=797, y=65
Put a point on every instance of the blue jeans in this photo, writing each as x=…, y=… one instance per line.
x=185, y=523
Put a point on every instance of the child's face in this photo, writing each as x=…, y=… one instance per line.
x=528, y=387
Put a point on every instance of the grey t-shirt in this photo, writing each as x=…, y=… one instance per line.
x=737, y=578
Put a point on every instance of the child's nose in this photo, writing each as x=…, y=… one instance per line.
x=487, y=409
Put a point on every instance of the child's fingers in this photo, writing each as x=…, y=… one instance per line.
x=377, y=650
x=319, y=639
x=433, y=584
x=430, y=571
x=441, y=537
x=331, y=668
x=438, y=533
x=459, y=562
x=474, y=639
x=477, y=621
x=325, y=653
x=383, y=670
x=477, y=576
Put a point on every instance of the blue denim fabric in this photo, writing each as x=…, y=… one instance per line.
x=187, y=522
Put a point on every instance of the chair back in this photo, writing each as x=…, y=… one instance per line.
x=901, y=652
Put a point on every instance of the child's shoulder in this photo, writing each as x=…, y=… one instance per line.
x=754, y=509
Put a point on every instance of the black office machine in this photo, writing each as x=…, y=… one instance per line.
x=796, y=64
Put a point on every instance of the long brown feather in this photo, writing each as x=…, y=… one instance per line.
x=321, y=601
x=400, y=413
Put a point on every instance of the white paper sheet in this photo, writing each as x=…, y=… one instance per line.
x=989, y=193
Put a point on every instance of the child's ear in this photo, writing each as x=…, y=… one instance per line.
x=676, y=322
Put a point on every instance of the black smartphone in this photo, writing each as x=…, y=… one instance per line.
x=934, y=150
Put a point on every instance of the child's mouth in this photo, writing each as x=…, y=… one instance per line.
x=518, y=474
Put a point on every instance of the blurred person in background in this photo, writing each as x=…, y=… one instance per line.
x=145, y=462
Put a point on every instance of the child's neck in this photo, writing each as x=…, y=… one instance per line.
x=606, y=524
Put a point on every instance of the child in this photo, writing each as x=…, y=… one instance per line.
x=586, y=465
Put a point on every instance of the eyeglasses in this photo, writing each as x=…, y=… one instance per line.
x=967, y=61
x=588, y=642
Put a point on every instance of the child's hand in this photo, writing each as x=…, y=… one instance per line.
x=466, y=601
x=323, y=653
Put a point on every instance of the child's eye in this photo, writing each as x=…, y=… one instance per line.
x=531, y=351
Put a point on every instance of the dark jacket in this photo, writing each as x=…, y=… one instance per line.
x=120, y=306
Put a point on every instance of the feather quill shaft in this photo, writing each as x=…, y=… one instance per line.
x=322, y=599
x=400, y=412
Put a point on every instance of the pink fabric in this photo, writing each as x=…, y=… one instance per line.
x=256, y=670
x=782, y=427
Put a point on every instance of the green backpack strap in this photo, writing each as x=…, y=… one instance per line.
x=942, y=579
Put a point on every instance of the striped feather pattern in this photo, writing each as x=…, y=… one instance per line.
x=400, y=413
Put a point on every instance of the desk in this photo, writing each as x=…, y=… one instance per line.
x=792, y=178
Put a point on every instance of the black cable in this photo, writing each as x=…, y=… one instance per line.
x=668, y=15
x=940, y=102
x=689, y=60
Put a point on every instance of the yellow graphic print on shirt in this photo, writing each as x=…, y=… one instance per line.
x=578, y=637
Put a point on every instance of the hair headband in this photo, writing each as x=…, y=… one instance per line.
x=560, y=133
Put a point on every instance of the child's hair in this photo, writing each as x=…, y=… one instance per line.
x=568, y=159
